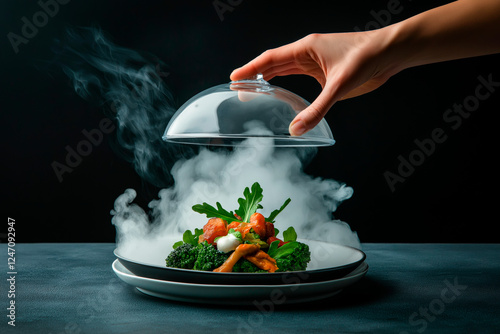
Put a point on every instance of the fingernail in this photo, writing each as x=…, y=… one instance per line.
x=297, y=128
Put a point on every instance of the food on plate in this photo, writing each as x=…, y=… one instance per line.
x=240, y=241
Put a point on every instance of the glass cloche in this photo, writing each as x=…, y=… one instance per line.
x=228, y=114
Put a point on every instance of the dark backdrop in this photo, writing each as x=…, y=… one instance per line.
x=450, y=197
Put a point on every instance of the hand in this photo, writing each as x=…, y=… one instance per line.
x=352, y=64
x=345, y=64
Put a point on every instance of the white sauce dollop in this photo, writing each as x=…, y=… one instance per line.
x=227, y=243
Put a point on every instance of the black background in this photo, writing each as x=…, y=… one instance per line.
x=451, y=197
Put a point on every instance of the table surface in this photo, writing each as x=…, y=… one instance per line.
x=409, y=288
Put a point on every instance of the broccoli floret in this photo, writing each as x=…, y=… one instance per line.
x=183, y=256
x=245, y=266
x=295, y=261
x=209, y=258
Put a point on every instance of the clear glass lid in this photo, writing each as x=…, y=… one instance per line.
x=228, y=114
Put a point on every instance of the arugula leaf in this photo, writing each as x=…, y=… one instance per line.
x=273, y=248
x=289, y=234
x=212, y=212
x=177, y=244
x=250, y=204
x=284, y=250
x=189, y=238
x=273, y=215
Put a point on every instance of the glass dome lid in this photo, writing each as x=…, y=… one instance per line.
x=228, y=114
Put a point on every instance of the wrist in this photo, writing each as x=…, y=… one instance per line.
x=397, y=48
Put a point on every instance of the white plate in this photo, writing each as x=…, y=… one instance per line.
x=294, y=292
x=328, y=262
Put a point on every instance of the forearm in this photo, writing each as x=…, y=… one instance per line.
x=465, y=28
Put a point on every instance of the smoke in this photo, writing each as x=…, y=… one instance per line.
x=128, y=83
x=221, y=177
x=129, y=86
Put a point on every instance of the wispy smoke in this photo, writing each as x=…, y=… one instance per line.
x=129, y=86
x=142, y=106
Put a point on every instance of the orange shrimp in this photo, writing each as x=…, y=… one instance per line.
x=258, y=223
x=233, y=225
x=216, y=227
x=262, y=263
x=263, y=255
x=241, y=250
x=240, y=227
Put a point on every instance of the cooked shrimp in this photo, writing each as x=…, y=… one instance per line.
x=262, y=263
x=241, y=250
x=263, y=255
x=216, y=227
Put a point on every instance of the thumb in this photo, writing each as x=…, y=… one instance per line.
x=308, y=118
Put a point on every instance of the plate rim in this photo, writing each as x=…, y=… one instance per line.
x=164, y=289
x=235, y=286
x=313, y=271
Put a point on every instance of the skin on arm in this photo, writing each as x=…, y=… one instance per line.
x=351, y=64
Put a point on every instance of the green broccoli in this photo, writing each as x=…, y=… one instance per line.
x=295, y=261
x=209, y=258
x=245, y=266
x=206, y=257
x=183, y=256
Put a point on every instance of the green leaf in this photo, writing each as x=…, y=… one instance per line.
x=177, y=244
x=250, y=204
x=212, y=212
x=189, y=238
x=237, y=234
x=289, y=234
x=282, y=251
x=273, y=215
x=286, y=249
x=197, y=233
x=273, y=248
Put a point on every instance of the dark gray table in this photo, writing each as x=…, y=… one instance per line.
x=410, y=288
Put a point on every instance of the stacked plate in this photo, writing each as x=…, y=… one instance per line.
x=332, y=268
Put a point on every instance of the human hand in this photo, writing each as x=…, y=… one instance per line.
x=352, y=64
x=345, y=64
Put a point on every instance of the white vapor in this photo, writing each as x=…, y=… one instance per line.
x=221, y=177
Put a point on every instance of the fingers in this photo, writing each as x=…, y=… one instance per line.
x=244, y=72
x=244, y=96
x=282, y=70
x=312, y=115
x=268, y=62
